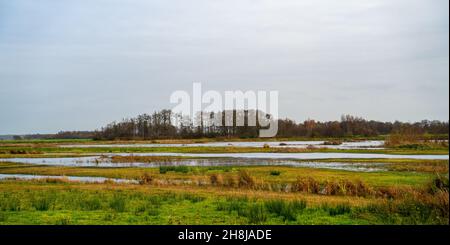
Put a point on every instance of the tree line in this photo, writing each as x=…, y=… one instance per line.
x=165, y=124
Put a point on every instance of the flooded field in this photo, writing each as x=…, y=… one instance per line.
x=372, y=144
x=106, y=162
x=56, y=177
x=84, y=179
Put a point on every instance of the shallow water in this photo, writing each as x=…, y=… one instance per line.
x=373, y=144
x=84, y=179
x=103, y=162
x=296, y=156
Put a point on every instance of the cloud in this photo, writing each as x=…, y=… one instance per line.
x=103, y=60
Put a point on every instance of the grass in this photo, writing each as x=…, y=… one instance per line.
x=31, y=202
x=411, y=192
x=232, y=176
x=178, y=169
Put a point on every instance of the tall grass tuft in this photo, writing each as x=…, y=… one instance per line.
x=41, y=203
x=256, y=213
x=178, y=169
x=340, y=209
x=118, y=203
x=216, y=179
x=309, y=185
x=287, y=210
x=245, y=179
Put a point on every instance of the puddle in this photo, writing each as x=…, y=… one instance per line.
x=373, y=144
x=83, y=179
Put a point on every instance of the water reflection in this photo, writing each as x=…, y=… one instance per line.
x=373, y=144
x=84, y=179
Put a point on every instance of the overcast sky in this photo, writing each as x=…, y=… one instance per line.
x=79, y=64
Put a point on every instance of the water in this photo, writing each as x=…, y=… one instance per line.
x=373, y=144
x=84, y=179
x=296, y=156
x=105, y=162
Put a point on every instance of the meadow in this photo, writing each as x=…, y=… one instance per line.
x=404, y=191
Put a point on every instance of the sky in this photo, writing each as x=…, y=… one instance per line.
x=80, y=64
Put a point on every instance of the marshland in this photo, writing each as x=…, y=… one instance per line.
x=393, y=179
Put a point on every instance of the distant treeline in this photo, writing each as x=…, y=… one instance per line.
x=60, y=135
x=161, y=125
x=165, y=125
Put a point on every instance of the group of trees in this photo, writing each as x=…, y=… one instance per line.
x=166, y=124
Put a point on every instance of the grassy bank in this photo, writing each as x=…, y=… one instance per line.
x=40, y=202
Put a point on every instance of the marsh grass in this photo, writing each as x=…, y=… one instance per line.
x=275, y=173
x=340, y=209
x=245, y=179
x=63, y=220
x=177, y=169
x=118, y=203
x=90, y=203
x=284, y=209
x=256, y=213
x=111, y=204
x=42, y=203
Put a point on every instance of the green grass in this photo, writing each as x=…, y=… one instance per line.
x=258, y=195
x=66, y=203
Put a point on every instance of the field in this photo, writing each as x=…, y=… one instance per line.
x=399, y=191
